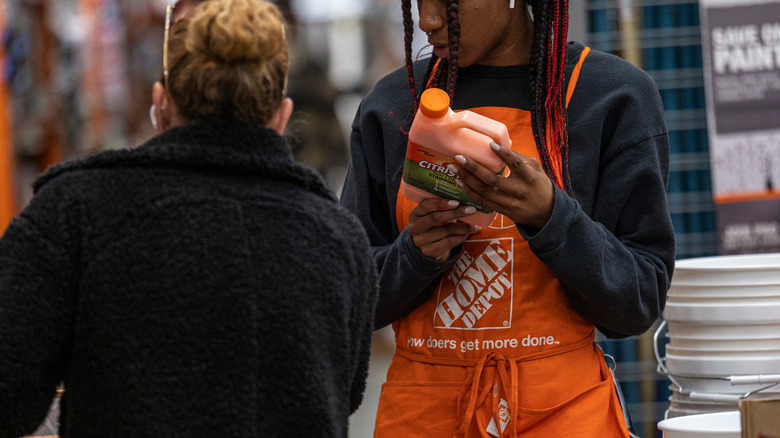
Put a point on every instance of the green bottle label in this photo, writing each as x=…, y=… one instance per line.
x=427, y=170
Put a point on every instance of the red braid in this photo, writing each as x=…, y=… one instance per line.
x=563, y=133
x=548, y=110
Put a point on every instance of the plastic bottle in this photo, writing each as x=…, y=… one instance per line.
x=436, y=136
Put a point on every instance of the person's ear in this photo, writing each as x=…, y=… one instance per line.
x=279, y=121
x=158, y=104
x=166, y=112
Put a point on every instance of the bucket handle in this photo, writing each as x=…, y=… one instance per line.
x=770, y=379
x=661, y=368
x=755, y=380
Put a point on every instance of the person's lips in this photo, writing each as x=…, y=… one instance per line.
x=441, y=51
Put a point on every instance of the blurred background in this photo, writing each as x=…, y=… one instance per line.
x=77, y=76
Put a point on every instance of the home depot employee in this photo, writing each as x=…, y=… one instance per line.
x=494, y=326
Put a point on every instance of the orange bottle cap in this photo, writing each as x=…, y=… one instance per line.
x=434, y=103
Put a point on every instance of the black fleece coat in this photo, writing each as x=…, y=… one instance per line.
x=203, y=284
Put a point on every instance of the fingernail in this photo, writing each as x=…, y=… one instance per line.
x=470, y=210
x=495, y=146
x=476, y=228
x=461, y=159
x=458, y=182
x=453, y=203
x=452, y=168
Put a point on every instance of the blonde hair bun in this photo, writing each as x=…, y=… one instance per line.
x=236, y=30
x=228, y=59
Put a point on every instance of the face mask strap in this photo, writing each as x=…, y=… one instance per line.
x=152, y=116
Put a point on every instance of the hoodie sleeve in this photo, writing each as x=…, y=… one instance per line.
x=377, y=146
x=612, y=244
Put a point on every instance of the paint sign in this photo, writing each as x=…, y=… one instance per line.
x=741, y=52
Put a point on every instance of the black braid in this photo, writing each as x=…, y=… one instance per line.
x=406, y=6
x=453, y=31
x=538, y=79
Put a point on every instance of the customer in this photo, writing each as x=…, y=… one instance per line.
x=203, y=284
x=495, y=326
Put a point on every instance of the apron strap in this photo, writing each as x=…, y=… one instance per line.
x=575, y=74
x=501, y=380
x=433, y=73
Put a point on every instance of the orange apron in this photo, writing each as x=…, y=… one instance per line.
x=497, y=350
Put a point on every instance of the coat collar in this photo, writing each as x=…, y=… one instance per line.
x=219, y=145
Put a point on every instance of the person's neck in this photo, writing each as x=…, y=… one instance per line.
x=519, y=47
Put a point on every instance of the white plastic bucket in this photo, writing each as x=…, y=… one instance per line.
x=678, y=408
x=722, y=364
x=734, y=331
x=674, y=412
x=711, y=425
x=679, y=290
x=749, y=310
x=683, y=404
x=723, y=317
x=714, y=345
x=721, y=385
x=745, y=269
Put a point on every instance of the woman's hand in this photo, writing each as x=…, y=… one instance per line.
x=434, y=227
x=526, y=195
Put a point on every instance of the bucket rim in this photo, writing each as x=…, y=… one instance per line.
x=732, y=420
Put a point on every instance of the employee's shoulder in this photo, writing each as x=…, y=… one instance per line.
x=395, y=85
x=401, y=75
x=613, y=70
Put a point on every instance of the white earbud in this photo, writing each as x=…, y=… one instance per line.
x=152, y=116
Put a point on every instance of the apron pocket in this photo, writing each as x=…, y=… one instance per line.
x=409, y=409
x=594, y=413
